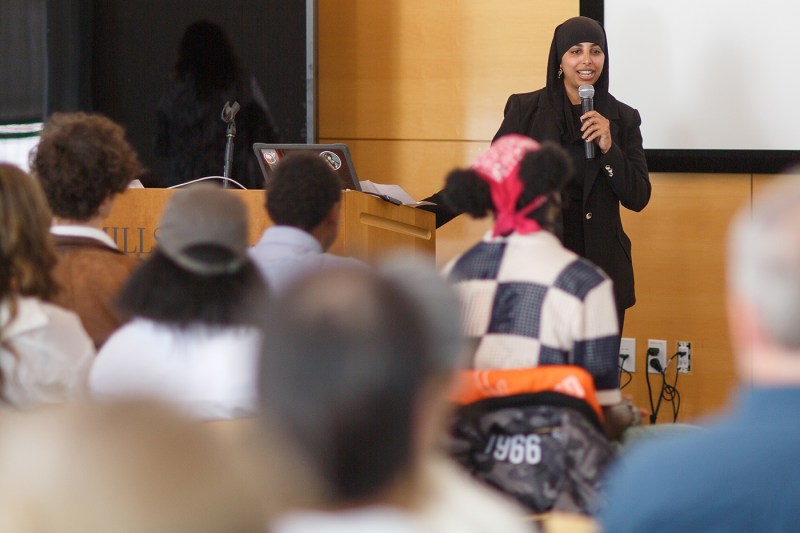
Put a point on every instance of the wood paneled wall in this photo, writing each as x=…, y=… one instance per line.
x=679, y=265
x=417, y=88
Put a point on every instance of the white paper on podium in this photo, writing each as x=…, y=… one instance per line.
x=394, y=191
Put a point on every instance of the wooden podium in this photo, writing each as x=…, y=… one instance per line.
x=369, y=227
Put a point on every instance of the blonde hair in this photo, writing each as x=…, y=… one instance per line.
x=127, y=467
x=27, y=256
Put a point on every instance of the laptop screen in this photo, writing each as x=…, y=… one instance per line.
x=336, y=155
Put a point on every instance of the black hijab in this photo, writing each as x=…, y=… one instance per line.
x=567, y=34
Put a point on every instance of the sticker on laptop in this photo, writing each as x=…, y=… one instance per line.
x=333, y=160
x=270, y=156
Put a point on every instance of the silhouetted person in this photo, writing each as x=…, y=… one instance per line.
x=190, y=130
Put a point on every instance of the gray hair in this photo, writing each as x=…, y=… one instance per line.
x=764, y=260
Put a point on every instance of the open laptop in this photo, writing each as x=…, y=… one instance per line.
x=336, y=155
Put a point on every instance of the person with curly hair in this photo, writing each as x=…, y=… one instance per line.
x=529, y=300
x=303, y=200
x=45, y=354
x=195, y=302
x=83, y=162
x=189, y=130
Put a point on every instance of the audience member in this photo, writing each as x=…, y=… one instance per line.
x=529, y=301
x=353, y=378
x=45, y=353
x=740, y=474
x=83, y=162
x=132, y=467
x=195, y=303
x=190, y=130
x=304, y=201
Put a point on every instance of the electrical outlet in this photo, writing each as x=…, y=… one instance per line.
x=684, y=357
x=627, y=347
x=656, y=349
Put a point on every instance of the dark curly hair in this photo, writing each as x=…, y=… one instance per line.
x=161, y=290
x=302, y=191
x=206, y=55
x=81, y=160
x=545, y=171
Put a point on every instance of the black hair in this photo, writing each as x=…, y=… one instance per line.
x=302, y=191
x=545, y=171
x=206, y=54
x=346, y=355
x=159, y=289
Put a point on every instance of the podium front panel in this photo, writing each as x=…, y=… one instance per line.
x=369, y=227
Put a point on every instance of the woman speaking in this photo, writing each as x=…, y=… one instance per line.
x=617, y=172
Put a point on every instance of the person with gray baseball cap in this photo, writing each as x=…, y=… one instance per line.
x=195, y=303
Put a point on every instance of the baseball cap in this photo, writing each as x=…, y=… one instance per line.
x=204, y=216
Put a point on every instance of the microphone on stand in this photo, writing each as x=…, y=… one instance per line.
x=229, y=117
x=230, y=110
x=586, y=92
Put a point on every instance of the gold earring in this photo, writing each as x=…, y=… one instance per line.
x=560, y=72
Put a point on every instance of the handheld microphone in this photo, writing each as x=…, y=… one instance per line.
x=586, y=92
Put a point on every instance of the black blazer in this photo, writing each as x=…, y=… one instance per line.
x=621, y=178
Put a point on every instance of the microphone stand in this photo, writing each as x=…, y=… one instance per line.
x=229, y=117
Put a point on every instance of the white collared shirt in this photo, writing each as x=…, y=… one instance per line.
x=65, y=230
x=210, y=372
x=284, y=254
x=49, y=357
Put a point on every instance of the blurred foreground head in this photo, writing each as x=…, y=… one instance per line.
x=764, y=281
x=355, y=365
x=130, y=467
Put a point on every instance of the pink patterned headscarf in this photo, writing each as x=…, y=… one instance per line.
x=499, y=167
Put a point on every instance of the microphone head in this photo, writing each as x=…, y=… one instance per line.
x=586, y=91
x=229, y=111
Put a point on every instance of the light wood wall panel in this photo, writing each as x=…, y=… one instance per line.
x=417, y=69
x=679, y=265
